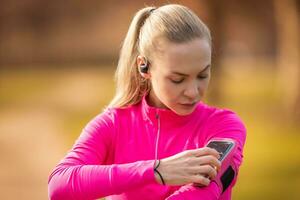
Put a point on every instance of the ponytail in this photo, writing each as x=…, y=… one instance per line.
x=130, y=86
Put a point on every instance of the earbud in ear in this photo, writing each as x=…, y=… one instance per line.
x=144, y=68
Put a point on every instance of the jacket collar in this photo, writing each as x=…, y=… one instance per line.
x=151, y=113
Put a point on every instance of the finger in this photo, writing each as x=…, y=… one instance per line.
x=211, y=171
x=216, y=168
x=209, y=160
x=205, y=151
x=214, y=152
x=207, y=170
x=200, y=179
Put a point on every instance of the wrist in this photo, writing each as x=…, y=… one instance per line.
x=158, y=176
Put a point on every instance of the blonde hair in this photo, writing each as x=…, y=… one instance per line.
x=173, y=22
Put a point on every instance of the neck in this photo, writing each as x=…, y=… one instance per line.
x=154, y=101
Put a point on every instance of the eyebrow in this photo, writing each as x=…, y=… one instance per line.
x=182, y=74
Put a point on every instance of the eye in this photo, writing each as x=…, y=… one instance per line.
x=177, y=81
x=202, y=77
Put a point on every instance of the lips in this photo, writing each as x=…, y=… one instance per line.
x=189, y=104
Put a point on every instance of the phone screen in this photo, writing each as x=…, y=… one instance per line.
x=223, y=147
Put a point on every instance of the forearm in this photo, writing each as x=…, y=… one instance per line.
x=96, y=181
x=192, y=192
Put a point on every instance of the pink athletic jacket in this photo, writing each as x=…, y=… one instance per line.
x=115, y=154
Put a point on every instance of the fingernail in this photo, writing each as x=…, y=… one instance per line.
x=208, y=182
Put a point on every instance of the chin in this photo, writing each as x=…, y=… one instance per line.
x=183, y=112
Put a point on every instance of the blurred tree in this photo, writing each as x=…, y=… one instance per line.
x=216, y=18
x=287, y=23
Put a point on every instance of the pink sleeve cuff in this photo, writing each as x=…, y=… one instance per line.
x=131, y=175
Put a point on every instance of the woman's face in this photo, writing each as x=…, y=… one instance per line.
x=179, y=75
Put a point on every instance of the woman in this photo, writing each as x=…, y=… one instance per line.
x=149, y=143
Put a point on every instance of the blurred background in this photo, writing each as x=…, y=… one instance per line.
x=57, y=61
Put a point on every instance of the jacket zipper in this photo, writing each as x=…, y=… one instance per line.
x=157, y=135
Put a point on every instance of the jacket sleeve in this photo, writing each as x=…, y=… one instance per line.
x=223, y=124
x=83, y=172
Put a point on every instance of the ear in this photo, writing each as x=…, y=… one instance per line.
x=140, y=60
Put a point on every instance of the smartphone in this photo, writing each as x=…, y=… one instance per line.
x=223, y=146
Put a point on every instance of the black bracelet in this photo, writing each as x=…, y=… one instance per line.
x=160, y=176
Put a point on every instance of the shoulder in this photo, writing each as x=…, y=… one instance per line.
x=111, y=115
x=215, y=114
x=224, y=122
x=106, y=117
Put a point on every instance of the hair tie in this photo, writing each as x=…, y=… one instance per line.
x=160, y=176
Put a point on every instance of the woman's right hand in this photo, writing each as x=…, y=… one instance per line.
x=191, y=166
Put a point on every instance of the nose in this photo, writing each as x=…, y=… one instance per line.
x=192, y=91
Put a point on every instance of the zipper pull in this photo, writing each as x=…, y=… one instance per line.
x=156, y=115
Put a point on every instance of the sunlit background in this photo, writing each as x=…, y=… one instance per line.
x=57, y=60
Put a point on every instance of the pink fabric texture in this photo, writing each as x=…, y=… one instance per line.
x=115, y=154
